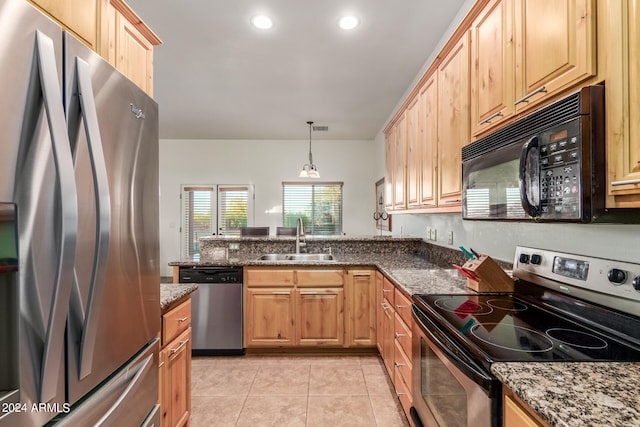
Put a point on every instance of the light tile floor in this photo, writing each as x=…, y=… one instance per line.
x=296, y=390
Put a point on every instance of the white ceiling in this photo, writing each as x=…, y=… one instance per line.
x=217, y=77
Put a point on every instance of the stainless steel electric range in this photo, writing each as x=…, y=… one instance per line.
x=565, y=307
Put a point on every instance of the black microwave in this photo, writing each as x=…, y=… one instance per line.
x=547, y=166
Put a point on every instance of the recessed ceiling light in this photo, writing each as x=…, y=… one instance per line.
x=348, y=22
x=262, y=22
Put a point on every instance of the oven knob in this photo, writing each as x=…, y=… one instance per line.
x=524, y=258
x=636, y=283
x=617, y=276
x=536, y=259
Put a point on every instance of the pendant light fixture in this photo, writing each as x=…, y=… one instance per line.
x=309, y=170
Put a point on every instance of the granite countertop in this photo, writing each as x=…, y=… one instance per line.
x=576, y=393
x=412, y=273
x=170, y=293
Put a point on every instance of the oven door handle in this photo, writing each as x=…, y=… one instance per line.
x=468, y=367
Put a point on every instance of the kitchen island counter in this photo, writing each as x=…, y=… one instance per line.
x=576, y=393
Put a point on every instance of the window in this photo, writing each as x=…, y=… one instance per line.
x=319, y=205
x=209, y=210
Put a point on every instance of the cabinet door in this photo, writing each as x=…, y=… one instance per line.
x=453, y=122
x=388, y=337
x=379, y=311
x=428, y=110
x=414, y=137
x=164, y=395
x=389, y=161
x=361, y=312
x=320, y=317
x=516, y=416
x=399, y=167
x=269, y=317
x=78, y=16
x=493, y=67
x=178, y=359
x=555, y=47
x=623, y=105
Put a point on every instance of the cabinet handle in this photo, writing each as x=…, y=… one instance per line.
x=491, y=117
x=161, y=365
x=399, y=364
x=384, y=306
x=452, y=201
x=308, y=293
x=627, y=182
x=535, y=92
x=177, y=349
x=400, y=335
x=183, y=319
x=399, y=394
x=280, y=293
x=386, y=290
x=401, y=306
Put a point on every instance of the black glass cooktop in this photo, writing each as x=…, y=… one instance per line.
x=503, y=327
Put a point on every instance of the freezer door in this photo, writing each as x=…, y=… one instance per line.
x=128, y=399
x=115, y=300
x=36, y=175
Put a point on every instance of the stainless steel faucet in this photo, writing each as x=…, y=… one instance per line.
x=300, y=234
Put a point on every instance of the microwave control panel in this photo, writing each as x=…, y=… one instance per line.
x=560, y=171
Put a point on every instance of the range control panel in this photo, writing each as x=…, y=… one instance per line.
x=604, y=281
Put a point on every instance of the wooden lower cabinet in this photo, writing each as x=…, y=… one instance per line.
x=269, y=317
x=517, y=414
x=309, y=307
x=394, y=342
x=360, y=308
x=320, y=316
x=175, y=366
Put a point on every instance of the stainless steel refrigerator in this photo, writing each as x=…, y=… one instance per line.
x=79, y=263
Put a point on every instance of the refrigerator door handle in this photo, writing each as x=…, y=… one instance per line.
x=85, y=99
x=52, y=98
x=135, y=382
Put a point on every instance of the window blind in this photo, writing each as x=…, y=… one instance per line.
x=319, y=205
x=233, y=209
x=209, y=210
x=198, y=217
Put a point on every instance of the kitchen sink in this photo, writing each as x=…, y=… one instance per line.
x=296, y=257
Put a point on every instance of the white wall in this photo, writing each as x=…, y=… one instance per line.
x=265, y=164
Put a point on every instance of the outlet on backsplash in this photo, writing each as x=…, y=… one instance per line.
x=450, y=237
x=234, y=246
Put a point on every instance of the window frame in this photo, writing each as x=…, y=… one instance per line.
x=312, y=225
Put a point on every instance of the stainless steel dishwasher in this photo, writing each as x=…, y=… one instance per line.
x=216, y=306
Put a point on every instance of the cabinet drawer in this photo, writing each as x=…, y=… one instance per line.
x=268, y=277
x=176, y=321
x=404, y=394
x=402, y=365
x=402, y=334
x=388, y=291
x=320, y=278
x=402, y=306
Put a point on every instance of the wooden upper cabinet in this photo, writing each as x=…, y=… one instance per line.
x=428, y=111
x=130, y=44
x=399, y=167
x=414, y=138
x=493, y=67
x=453, y=121
x=389, y=160
x=555, y=47
x=81, y=17
x=622, y=108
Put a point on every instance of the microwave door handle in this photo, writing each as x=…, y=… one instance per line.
x=465, y=366
x=530, y=209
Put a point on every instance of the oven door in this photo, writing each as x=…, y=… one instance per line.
x=449, y=387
